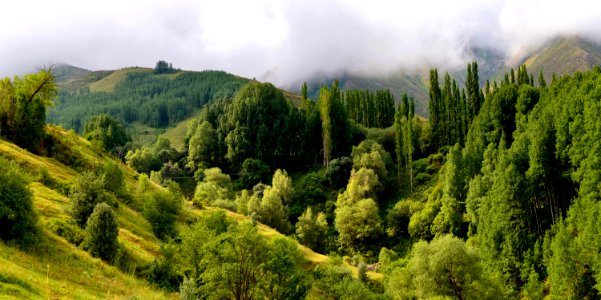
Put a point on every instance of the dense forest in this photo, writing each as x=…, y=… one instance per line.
x=495, y=196
x=158, y=98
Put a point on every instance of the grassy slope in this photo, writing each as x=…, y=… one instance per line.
x=58, y=269
x=564, y=56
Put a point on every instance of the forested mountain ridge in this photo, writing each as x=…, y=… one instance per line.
x=561, y=55
x=139, y=95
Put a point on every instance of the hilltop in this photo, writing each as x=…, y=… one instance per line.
x=563, y=56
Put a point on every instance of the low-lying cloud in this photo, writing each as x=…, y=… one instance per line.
x=282, y=41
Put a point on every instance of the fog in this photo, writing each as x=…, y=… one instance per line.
x=285, y=42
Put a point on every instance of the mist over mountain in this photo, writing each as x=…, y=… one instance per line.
x=283, y=42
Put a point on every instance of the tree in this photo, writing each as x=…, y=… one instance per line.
x=338, y=171
x=234, y=269
x=23, y=103
x=304, y=95
x=161, y=210
x=283, y=185
x=107, y=131
x=357, y=218
x=252, y=172
x=436, y=113
x=335, y=125
x=87, y=192
x=18, y=219
x=311, y=229
x=272, y=211
x=255, y=124
x=203, y=144
x=113, y=176
x=102, y=231
x=445, y=267
x=215, y=186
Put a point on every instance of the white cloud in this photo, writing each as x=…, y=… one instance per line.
x=283, y=41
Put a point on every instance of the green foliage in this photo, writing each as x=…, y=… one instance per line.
x=311, y=230
x=335, y=124
x=18, y=219
x=215, y=187
x=143, y=160
x=370, y=109
x=357, y=217
x=87, y=192
x=161, y=209
x=162, y=271
x=113, y=177
x=102, y=231
x=445, y=267
x=162, y=67
x=107, y=131
x=202, y=145
x=338, y=170
x=227, y=260
x=23, y=104
x=255, y=122
x=252, y=172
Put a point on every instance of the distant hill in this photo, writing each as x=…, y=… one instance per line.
x=147, y=103
x=66, y=74
x=563, y=55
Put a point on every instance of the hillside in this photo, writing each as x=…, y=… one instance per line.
x=563, y=56
x=59, y=269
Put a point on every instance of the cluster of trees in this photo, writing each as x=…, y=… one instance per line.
x=452, y=109
x=162, y=67
x=370, y=109
x=23, y=104
x=259, y=123
x=142, y=96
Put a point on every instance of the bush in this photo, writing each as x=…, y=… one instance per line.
x=162, y=272
x=338, y=172
x=87, y=192
x=18, y=221
x=252, y=172
x=69, y=232
x=113, y=178
x=161, y=210
x=102, y=231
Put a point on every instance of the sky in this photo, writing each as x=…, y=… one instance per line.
x=285, y=42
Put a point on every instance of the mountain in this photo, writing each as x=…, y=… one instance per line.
x=66, y=74
x=562, y=56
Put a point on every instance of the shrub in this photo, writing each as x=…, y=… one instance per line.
x=87, y=192
x=113, y=178
x=18, y=221
x=69, y=232
x=161, y=210
x=102, y=231
x=162, y=272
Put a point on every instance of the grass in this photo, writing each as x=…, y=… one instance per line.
x=177, y=134
x=107, y=84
